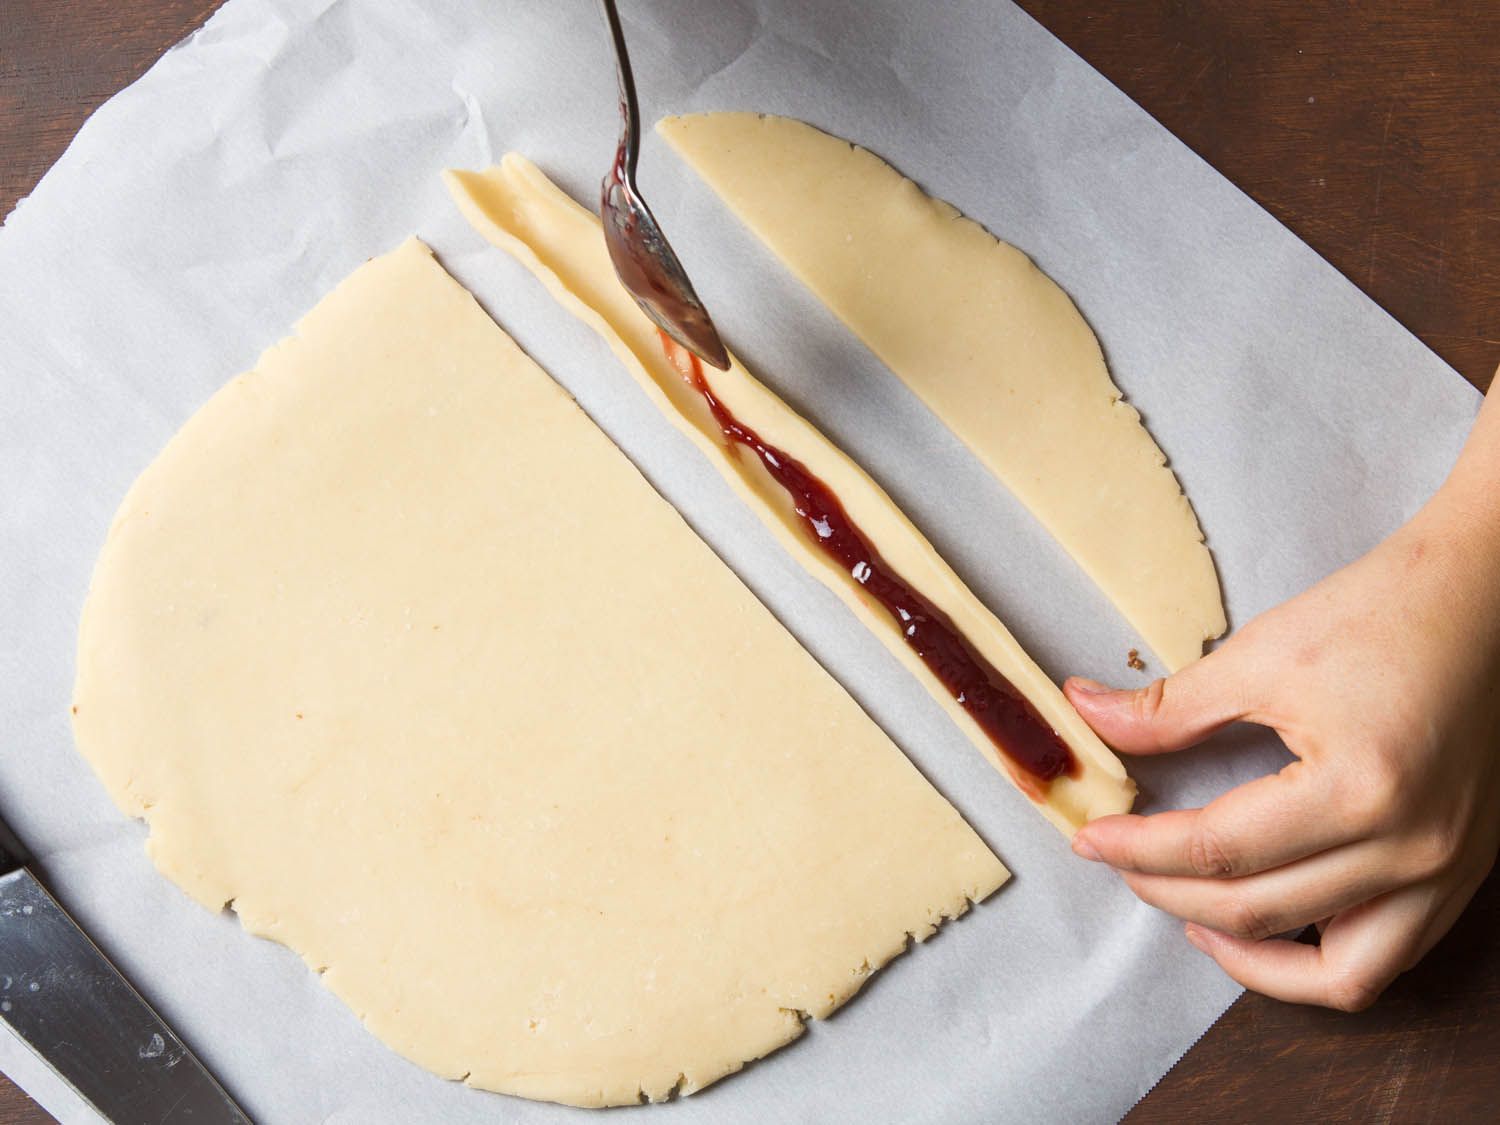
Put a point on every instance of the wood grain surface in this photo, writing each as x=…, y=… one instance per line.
x=1370, y=129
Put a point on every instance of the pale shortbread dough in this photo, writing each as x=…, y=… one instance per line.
x=992, y=346
x=520, y=210
x=395, y=650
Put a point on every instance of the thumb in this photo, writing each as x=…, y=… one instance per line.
x=1168, y=714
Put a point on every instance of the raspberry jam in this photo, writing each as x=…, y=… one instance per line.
x=1020, y=734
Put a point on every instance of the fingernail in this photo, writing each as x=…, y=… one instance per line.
x=1197, y=937
x=1089, y=687
x=1082, y=847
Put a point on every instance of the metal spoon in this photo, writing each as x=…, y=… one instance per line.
x=643, y=259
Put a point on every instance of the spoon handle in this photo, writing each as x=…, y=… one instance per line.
x=630, y=123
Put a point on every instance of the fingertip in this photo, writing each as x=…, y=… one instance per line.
x=1084, y=848
x=1082, y=685
x=1278, y=968
x=1102, y=707
x=1226, y=949
x=1106, y=839
x=1090, y=697
x=1211, y=941
x=1115, y=714
x=1109, y=822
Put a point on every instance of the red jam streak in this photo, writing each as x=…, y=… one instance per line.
x=1003, y=713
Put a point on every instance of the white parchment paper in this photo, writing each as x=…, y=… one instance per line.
x=200, y=212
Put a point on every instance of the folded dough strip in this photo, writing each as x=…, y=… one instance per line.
x=988, y=342
x=518, y=209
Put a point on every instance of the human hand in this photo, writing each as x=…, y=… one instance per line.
x=1384, y=681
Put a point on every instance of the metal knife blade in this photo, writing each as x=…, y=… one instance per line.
x=61, y=995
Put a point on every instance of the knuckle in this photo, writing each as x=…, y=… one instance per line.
x=1308, y=654
x=1207, y=854
x=1250, y=634
x=1244, y=919
x=1352, y=993
x=1375, y=800
x=1436, y=851
x=1148, y=701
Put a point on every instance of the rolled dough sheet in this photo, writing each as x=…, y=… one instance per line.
x=515, y=206
x=396, y=652
x=988, y=342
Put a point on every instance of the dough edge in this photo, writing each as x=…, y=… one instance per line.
x=583, y=1089
x=1176, y=620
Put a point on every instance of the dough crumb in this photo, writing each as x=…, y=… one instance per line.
x=1133, y=659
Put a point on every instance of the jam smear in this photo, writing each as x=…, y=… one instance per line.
x=1004, y=714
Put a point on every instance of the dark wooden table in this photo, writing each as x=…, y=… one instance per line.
x=1373, y=131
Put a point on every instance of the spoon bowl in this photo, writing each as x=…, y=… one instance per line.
x=643, y=258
